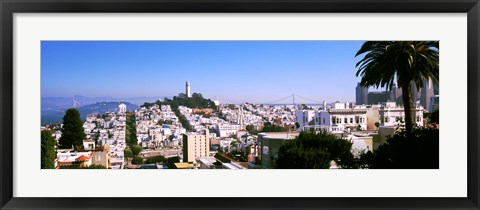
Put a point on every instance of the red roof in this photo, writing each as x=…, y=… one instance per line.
x=88, y=140
x=64, y=163
x=82, y=158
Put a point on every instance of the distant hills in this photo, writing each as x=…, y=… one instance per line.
x=56, y=103
x=54, y=116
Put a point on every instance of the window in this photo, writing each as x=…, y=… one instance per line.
x=346, y=120
x=323, y=120
x=351, y=120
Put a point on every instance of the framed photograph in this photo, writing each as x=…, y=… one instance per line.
x=263, y=104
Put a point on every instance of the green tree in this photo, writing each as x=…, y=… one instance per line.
x=420, y=150
x=128, y=153
x=251, y=129
x=312, y=150
x=410, y=62
x=155, y=159
x=137, y=160
x=93, y=166
x=170, y=162
x=131, y=130
x=73, y=133
x=136, y=149
x=269, y=127
x=48, y=150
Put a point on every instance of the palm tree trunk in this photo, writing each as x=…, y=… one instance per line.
x=408, y=107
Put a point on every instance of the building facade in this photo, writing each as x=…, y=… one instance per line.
x=304, y=118
x=426, y=93
x=196, y=145
x=361, y=94
x=227, y=130
x=269, y=145
x=391, y=115
x=337, y=119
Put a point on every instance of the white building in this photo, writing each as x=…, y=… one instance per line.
x=226, y=130
x=207, y=162
x=122, y=108
x=304, y=117
x=337, y=119
x=88, y=144
x=391, y=115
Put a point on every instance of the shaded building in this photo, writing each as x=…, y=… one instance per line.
x=378, y=97
x=426, y=93
x=269, y=145
x=361, y=94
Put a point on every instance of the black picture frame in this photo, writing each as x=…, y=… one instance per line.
x=9, y=7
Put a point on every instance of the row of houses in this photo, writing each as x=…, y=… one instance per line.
x=342, y=117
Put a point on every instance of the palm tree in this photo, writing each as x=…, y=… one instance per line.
x=410, y=62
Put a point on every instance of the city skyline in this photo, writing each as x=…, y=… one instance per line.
x=235, y=71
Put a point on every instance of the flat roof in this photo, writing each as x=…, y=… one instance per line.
x=184, y=165
x=206, y=160
x=279, y=135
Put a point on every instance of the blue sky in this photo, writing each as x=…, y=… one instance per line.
x=238, y=71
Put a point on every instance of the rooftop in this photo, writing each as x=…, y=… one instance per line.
x=82, y=158
x=279, y=135
x=184, y=165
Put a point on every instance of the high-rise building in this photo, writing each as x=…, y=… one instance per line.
x=396, y=94
x=377, y=97
x=426, y=93
x=195, y=145
x=361, y=94
x=187, y=89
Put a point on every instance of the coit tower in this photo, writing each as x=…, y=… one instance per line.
x=187, y=89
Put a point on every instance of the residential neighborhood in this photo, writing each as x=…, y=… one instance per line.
x=265, y=105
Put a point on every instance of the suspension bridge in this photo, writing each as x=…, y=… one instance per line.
x=290, y=99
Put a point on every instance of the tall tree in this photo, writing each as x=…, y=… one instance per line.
x=136, y=149
x=73, y=133
x=131, y=129
x=314, y=150
x=410, y=62
x=48, y=150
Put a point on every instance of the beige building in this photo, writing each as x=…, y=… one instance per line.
x=101, y=158
x=195, y=145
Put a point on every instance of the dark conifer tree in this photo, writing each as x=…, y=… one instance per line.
x=73, y=133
